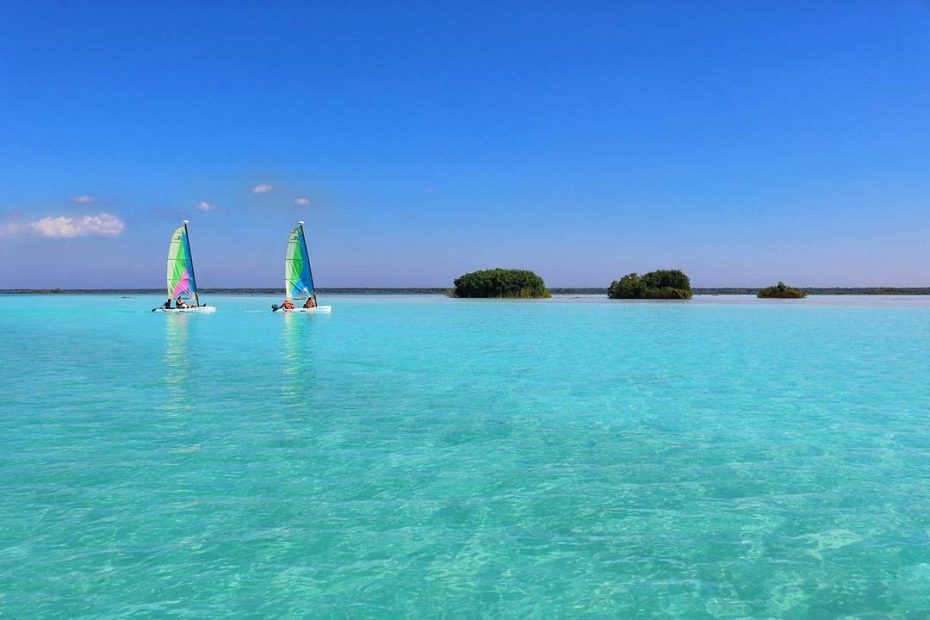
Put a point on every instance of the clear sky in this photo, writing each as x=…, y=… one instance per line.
x=743, y=142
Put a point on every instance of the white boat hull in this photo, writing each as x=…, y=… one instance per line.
x=317, y=310
x=200, y=309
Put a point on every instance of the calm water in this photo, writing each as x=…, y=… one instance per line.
x=420, y=456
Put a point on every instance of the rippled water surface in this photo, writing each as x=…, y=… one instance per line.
x=421, y=456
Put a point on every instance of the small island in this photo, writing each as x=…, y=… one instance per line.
x=781, y=291
x=660, y=284
x=499, y=283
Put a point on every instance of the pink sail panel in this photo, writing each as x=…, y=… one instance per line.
x=183, y=284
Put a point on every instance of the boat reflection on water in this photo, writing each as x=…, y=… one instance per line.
x=177, y=363
x=299, y=367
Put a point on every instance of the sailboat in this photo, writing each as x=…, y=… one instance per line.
x=298, y=279
x=181, y=280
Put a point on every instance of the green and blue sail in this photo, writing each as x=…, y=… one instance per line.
x=181, y=280
x=298, y=279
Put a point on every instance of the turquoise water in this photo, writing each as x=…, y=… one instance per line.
x=421, y=456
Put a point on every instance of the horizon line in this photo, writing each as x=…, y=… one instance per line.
x=564, y=290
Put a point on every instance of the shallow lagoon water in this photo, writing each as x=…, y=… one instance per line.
x=423, y=456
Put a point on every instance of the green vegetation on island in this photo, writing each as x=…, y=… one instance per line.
x=781, y=291
x=519, y=283
x=660, y=284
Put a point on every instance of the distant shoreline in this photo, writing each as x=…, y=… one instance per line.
x=870, y=290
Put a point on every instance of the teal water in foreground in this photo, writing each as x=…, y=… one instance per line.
x=423, y=456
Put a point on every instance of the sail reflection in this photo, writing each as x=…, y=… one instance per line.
x=176, y=363
x=299, y=370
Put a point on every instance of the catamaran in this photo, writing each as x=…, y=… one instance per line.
x=298, y=279
x=181, y=281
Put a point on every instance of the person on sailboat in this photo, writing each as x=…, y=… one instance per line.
x=167, y=304
x=309, y=303
x=287, y=305
x=180, y=304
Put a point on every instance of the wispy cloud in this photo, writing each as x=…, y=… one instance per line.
x=428, y=190
x=64, y=227
x=203, y=205
x=302, y=201
x=263, y=188
x=83, y=199
x=10, y=225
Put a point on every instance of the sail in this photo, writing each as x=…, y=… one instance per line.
x=298, y=279
x=181, y=281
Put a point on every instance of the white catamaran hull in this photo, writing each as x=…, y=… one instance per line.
x=317, y=310
x=202, y=309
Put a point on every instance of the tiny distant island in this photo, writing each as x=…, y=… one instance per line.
x=781, y=291
x=500, y=283
x=659, y=284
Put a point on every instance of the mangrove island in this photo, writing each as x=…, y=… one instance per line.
x=519, y=283
x=781, y=291
x=660, y=284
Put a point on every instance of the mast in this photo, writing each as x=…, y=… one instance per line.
x=190, y=260
x=309, y=270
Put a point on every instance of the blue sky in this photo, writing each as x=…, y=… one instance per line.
x=744, y=142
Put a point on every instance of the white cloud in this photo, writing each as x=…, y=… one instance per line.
x=102, y=224
x=203, y=205
x=263, y=188
x=428, y=190
x=84, y=199
x=303, y=201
